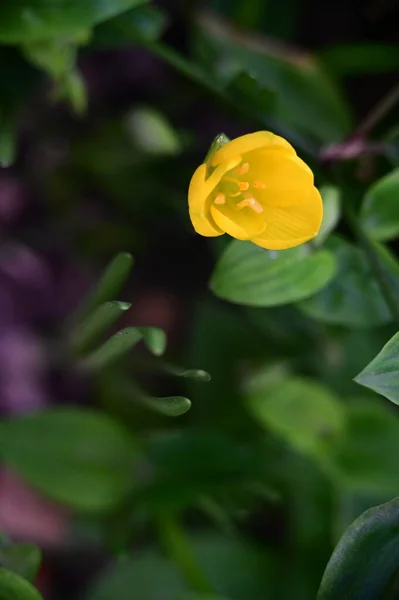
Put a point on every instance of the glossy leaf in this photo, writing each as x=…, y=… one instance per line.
x=14, y=587
x=249, y=275
x=382, y=374
x=366, y=557
x=77, y=456
x=331, y=213
x=353, y=298
x=304, y=413
x=97, y=323
x=32, y=20
x=380, y=209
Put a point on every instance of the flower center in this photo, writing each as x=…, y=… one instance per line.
x=237, y=193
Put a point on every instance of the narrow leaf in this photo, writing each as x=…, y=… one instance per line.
x=90, y=331
x=154, y=338
x=172, y=406
x=113, y=349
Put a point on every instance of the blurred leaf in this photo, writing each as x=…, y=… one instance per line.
x=331, y=212
x=111, y=282
x=246, y=90
x=366, y=557
x=358, y=59
x=26, y=21
x=13, y=587
x=77, y=456
x=252, y=276
x=142, y=23
x=72, y=89
x=353, y=297
x=154, y=338
x=195, y=374
x=7, y=139
x=96, y=324
x=382, y=374
x=306, y=414
x=152, y=133
x=234, y=568
x=172, y=406
x=366, y=457
x=113, y=349
x=306, y=99
x=380, y=209
x=23, y=559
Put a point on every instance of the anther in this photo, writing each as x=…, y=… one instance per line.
x=242, y=170
x=252, y=203
x=259, y=185
x=220, y=199
x=243, y=185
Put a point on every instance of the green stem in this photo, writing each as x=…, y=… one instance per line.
x=178, y=547
x=374, y=260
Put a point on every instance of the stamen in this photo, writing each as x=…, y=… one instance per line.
x=220, y=199
x=242, y=185
x=242, y=170
x=259, y=185
x=252, y=203
x=235, y=195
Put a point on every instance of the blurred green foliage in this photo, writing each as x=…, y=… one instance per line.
x=274, y=448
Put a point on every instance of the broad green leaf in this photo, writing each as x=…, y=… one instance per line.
x=80, y=457
x=353, y=298
x=331, y=213
x=382, y=374
x=366, y=558
x=88, y=332
x=303, y=412
x=111, y=282
x=14, y=587
x=140, y=24
x=357, y=59
x=254, y=98
x=380, y=209
x=28, y=21
x=306, y=99
x=366, y=457
x=252, y=276
x=23, y=559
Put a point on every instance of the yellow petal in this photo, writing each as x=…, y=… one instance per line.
x=287, y=179
x=199, y=205
x=242, y=224
x=249, y=142
x=292, y=226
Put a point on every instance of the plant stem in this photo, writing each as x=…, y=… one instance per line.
x=178, y=547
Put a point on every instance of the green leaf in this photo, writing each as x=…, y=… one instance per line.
x=358, y=59
x=246, y=90
x=154, y=338
x=380, y=208
x=23, y=559
x=303, y=412
x=331, y=213
x=13, y=587
x=382, y=374
x=366, y=456
x=306, y=98
x=172, y=406
x=249, y=275
x=152, y=134
x=142, y=23
x=353, y=298
x=77, y=456
x=111, y=282
x=96, y=324
x=113, y=349
x=195, y=374
x=366, y=557
x=26, y=21
x=220, y=140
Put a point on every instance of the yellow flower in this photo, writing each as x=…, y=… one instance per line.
x=256, y=188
